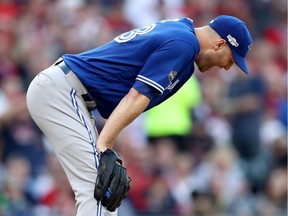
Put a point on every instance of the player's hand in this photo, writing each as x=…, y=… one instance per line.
x=112, y=183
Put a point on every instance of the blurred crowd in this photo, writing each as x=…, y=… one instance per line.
x=220, y=148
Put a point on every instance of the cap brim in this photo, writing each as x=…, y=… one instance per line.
x=240, y=61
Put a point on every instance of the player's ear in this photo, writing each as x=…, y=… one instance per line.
x=220, y=44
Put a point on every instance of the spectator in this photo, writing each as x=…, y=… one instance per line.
x=275, y=201
x=15, y=194
x=20, y=134
x=173, y=118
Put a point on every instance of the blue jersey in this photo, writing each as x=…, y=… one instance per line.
x=156, y=60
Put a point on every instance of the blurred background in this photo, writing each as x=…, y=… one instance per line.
x=217, y=148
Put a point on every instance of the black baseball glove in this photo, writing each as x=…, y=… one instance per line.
x=112, y=183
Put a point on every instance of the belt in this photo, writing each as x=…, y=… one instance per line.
x=63, y=67
x=91, y=105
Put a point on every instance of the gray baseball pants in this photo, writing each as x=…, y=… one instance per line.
x=55, y=103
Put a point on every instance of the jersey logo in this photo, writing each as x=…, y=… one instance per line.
x=232, y=40
x=171, y=77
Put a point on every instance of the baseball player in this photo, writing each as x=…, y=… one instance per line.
x=132, y=73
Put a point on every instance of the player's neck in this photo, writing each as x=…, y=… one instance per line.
x=203, y=39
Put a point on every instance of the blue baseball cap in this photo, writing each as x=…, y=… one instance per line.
x=237, y=36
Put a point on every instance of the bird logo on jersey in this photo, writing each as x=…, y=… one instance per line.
x=171, y=77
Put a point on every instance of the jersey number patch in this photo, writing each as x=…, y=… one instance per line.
x=133, y=33
x=127, y=36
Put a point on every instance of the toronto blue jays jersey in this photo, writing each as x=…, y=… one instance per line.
x=156, y=60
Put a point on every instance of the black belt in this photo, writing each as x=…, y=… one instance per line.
x=86, y=97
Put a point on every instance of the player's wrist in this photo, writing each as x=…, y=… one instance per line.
x=102, y=148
